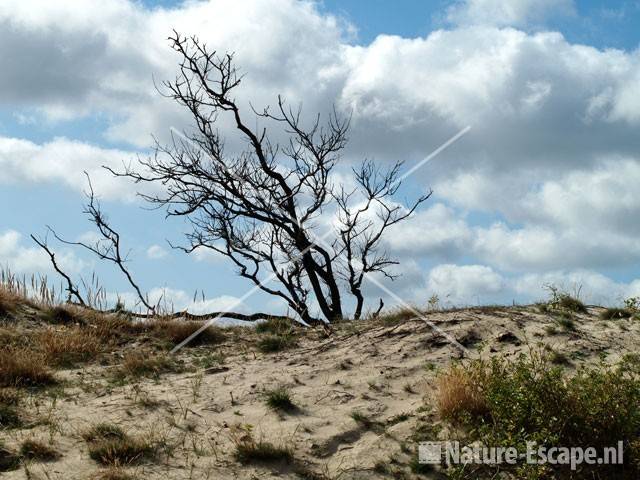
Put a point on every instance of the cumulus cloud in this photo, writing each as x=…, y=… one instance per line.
x=24, y=259
x=465, y=284
x=64, y=161
x=177, y=300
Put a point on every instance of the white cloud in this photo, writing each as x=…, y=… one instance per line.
x=435, y=231
x=177, y=300
x=156, y=252
x=26, y=260
x=64, y=161
x=507, y=12
x=466, y=284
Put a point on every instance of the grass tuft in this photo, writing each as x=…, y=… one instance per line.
x=276, y=343
x=113, y=473
x=616, y=313
x=104, y=431
x=110, y=445
x=250, y=451
x=9, y=460
x=66, y=348
x=177, y=331
x=276, y=326
x=36, y=450
x=62, y=315
x=145, y=364
x=279, y=399
x=458, y=392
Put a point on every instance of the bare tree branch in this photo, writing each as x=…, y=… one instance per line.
x=72, y=290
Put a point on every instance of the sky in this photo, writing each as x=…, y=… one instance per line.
x=541, y=190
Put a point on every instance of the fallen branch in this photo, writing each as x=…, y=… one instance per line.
x=253, y=317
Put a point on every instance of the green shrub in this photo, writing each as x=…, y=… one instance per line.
x=570, y=303
x=531, y=400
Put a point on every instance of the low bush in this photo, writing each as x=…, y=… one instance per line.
x=531, y=400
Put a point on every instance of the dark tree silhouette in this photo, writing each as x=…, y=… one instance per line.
x=261, y=207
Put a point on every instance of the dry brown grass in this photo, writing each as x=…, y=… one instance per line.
x=142, y=363
x=9, y=302
x=177, y=331
x=113, y=473
x=69, y=346
x=24, y=368
x=459, y=391
x=36, y=450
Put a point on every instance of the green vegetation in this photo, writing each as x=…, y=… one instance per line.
x=279, y=399
x=276, y=326
x=276, y=343
x=511, y=403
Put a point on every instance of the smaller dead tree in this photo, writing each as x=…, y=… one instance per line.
x=107, y=248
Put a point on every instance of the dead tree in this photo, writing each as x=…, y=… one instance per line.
x=107, y=247
x=260, y=207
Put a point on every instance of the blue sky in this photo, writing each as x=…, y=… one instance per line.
x=542, y=189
